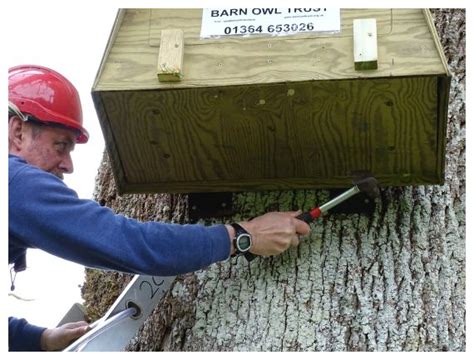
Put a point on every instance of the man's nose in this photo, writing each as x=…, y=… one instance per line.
x=66, y=164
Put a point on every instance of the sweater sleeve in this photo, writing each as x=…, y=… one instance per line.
x=46, y=214
x=23, y=336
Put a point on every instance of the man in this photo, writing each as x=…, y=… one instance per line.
x=44, y=124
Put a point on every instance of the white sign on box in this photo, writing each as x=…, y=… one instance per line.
x=218, y=22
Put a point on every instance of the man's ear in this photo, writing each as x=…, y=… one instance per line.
x=16, y=128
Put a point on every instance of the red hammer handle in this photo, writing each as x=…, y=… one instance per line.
x=309, y=216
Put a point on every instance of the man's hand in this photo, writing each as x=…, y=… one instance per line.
x=60, y=337
x=275, y=232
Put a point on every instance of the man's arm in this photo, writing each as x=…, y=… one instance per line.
x=23, y=336
x=45, y=214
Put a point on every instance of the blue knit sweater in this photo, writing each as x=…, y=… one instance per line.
x=44, y=213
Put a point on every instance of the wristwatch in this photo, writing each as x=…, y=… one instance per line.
x=242, y=241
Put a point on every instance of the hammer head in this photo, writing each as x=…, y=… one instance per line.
x=368, y=185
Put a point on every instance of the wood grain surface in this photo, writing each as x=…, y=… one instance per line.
x=273, y=113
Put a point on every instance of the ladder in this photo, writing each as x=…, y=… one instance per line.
x=122, y=321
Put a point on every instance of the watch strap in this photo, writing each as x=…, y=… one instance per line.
x=239, y=230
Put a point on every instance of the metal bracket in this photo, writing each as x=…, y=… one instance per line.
x=205, y=205
x=220, y=204
x=360, y=203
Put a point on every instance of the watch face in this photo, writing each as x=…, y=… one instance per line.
x=244, y=242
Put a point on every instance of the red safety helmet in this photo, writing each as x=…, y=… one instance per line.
x=47, y=96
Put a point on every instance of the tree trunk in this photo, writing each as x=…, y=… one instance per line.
x=394, y=280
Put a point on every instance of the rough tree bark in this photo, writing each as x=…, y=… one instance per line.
x=394, y=280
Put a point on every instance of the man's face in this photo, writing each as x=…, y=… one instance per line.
x=49, y=148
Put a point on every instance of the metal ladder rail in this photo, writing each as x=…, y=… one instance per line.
x=130, y=310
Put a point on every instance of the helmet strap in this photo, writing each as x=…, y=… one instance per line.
x=13, y=110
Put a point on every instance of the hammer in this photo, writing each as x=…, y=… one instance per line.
x=367, y=185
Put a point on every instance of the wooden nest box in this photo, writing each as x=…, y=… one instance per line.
x=272, y=112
